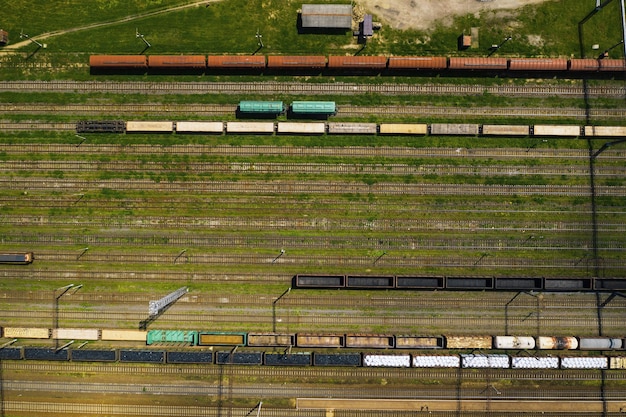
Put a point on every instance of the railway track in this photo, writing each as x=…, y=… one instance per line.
x=43, y=126
x=295, y=88
x=343, y=111
x=549, y=264
x=317, y=373
x=262, y=168
x=523, y=153
x=353, y=151
x=286, y=320
x=404, y=300
x=295, y=391
x=59, y=408
x=334, y=322
x=312, y=242
x=328, y=206
x=286, y=187
x=285, y=223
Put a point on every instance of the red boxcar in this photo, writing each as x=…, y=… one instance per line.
x=581, y=65
x=612, y=65
x=457, y=63
x=298, y=61
x=118, y=61
x=418, y=62
x=357, y=62
x=177, y=61
x=538, y=64
x=236, y=61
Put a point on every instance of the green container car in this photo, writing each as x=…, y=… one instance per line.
x=261, y=107
x=314, y=107
x=172, y=336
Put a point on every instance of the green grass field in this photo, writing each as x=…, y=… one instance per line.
x=230, y=26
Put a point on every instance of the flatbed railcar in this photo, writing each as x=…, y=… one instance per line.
x=364, y=64
x=458, y=283
x=291, y=128
x=149, y=127
x=200, y=127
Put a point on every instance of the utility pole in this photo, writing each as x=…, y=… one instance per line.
x=25, y=36
x=139, y=35
x=259, y=39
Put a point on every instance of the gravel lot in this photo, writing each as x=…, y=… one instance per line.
x=421, y=14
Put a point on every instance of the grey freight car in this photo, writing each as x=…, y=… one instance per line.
x=352, y=128
x=467, y=129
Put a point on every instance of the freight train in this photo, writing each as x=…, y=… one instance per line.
x=359, y=359
x=408, y=65
x=486, y=283
x=347, y=128
x=319, y=340
x=207, y=341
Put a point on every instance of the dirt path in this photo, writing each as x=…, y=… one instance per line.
x=421, y=14
x=43, y=36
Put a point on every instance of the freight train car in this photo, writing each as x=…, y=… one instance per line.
x=23, y=258
x=292, y=128
x=417, y=63
x=149, y=127
x=351, y=128
x=236, y=62
x=313, y=108
x=118, y=62
x=222, y=338
x=321, y=110
x=257, y=128
x=403, y=129
x=298, y=62
x=216, y=128
x=538, y=64
x=350, y=64
x=177, y=62
x=357, y=63
x=254, y=107
x=355, y=359
x=471, y=283
x=478, y=64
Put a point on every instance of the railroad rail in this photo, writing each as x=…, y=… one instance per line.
x=491, y=300
x=286, y=223
x=310, y=242
x=278, y=187
x=333, y=321
x=293, y=391
x=43, y=126
x=612, y=266
x=304, y=151
x=270, y=87
x=343, y=111
x=311, y=168
x=353, y=151
x=318, y=373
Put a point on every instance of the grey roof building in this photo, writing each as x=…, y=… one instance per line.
x=336, y=16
